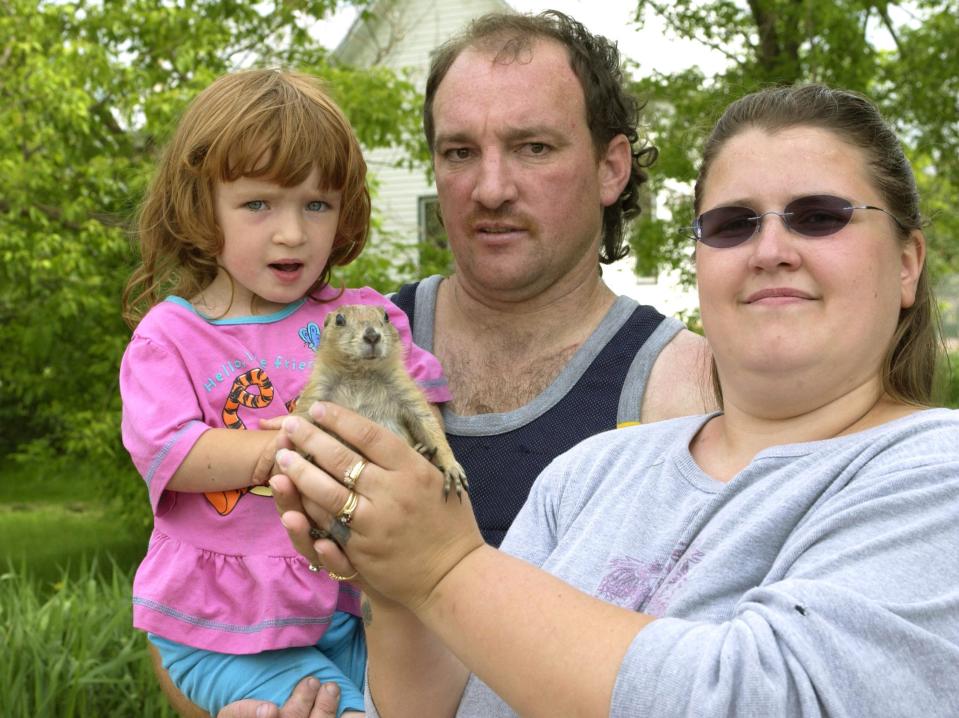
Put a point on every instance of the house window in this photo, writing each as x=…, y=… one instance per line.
x=434, y=253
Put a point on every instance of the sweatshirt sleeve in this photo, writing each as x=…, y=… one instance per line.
x=162, y=419
x=861, y=620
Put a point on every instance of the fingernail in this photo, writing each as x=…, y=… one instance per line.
x=270, y=484
x=317, y=410
x=330, y=688
x=262, y=711
x=291, y=424
x=284, y=457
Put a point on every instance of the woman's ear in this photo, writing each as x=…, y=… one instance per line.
x=913, y=259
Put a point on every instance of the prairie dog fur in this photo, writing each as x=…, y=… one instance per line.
x=359, y=365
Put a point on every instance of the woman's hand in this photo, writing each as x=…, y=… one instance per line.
x=403, y=537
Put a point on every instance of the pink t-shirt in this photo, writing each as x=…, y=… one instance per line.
x=220, y=572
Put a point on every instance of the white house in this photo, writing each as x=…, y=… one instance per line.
x=401, y=34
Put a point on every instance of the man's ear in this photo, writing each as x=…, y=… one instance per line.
x=913, y=257
x=615, y=167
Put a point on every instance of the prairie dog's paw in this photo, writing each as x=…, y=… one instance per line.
x=424, y=450
x=453, y=475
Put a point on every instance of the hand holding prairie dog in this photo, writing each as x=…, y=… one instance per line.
x=396, y=504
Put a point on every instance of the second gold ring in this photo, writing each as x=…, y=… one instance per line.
x=345, y=516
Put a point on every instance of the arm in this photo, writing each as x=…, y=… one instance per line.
x=223, y=459
x=864, y=576
x=472, y=597
x=409, y=670
x=169, y=439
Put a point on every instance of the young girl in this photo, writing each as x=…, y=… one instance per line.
x=260, y=193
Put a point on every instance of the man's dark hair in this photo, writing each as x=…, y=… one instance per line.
x=610, y=109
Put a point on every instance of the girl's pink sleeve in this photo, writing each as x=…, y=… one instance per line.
x=161, y=414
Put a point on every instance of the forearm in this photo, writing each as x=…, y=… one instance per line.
x=410, y=671
x=544, y=647
x=222, y=459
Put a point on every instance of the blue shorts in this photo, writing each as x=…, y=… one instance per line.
x=213, y=680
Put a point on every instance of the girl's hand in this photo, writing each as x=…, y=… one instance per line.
x=403, y=537
x=266, y=462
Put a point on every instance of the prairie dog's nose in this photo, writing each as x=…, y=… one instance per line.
x=371, y=336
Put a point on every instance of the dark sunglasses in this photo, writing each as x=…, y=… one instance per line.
x=813, y=216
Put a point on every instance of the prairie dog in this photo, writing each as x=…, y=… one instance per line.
x=359, y=365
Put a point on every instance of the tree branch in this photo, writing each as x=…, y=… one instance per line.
x=883, y=10
x=712, y=45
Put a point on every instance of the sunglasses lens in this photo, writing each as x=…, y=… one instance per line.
x=819, y=215
x=726, y=226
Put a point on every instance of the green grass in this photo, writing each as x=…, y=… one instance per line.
x=66, y=567
x=51, y=522
x=70, y=651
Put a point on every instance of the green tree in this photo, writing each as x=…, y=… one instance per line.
x=90, y=91
x=903, y=55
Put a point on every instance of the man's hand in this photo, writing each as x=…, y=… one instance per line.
x=310, y=699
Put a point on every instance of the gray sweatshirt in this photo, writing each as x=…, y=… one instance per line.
x=822, y=580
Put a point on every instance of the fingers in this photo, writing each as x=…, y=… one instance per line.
x=335, y=561
x=312, y=482
x=326, y=451
x=250, y=708
x=287, y=501
x=309, y=701
x=298, y=529
x=285, y=496
x=378, y=444
x=327, y=701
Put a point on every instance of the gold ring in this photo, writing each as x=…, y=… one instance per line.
x=352, y=474
x=345, y=515
x=338, y=577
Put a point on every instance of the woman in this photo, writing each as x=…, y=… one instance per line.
x=791, y=555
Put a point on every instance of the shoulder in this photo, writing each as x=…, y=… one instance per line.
x=925, y=435
x=166, y=315
x=632, y=446
x=680, y=382
x=169, y=324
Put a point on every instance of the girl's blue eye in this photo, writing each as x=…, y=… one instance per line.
x=317, y=206
x=255, y=205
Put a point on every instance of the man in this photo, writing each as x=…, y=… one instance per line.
x=532, y=136
x=537, y=172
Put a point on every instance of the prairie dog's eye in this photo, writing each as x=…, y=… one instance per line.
x=340, y=320
x=386, y=317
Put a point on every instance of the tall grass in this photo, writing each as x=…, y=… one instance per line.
x=69, y=649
